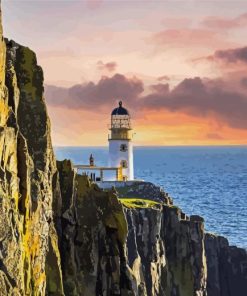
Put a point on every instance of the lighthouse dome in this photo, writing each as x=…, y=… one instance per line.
x=120, y=110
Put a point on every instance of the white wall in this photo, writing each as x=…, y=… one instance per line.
x=115, y=156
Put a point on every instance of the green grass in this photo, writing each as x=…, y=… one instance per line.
x=139, y=203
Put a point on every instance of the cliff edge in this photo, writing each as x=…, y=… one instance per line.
x=150, y=247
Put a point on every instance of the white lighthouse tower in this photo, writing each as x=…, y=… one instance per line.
x=120, y=142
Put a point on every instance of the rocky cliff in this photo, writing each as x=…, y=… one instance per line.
x=92, y=244
x=27, y=169
x=60, y=234
x=227, y=267
x=133, y=241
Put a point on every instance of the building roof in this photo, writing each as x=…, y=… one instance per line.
x=120, y=110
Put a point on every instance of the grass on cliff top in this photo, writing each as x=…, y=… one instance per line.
x=139, y=203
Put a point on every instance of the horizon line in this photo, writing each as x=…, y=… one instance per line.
x=163, y=146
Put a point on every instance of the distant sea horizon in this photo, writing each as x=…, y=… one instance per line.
x=151, y=146
x=205, y=180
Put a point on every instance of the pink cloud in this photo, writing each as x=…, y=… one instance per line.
x=94, y=4
x=177, y=22
x=231, y=62
x=232, y=55
x=92, y=95
x=202, y=98
x=215, y=22
x=164, y=77
x=219, y=23
x=110, y=66
x=189, y=38
x=160, y=87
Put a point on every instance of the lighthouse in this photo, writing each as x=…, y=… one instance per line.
x=120, y=142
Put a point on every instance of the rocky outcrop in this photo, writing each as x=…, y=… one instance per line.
x=146, y=250
x=184, y=238
x=28, y=237
x=160, y=253
x=92, y=244
x=227, y=267
x=166, y=248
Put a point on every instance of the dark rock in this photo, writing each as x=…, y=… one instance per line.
x=227, y=267
x=196, y=218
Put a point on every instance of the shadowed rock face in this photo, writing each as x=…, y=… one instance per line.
x=165, y=254
x=162, y=252
x=227, y=267
x=27, y=168
x=94, y=231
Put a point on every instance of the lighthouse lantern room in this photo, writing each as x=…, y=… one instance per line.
x=120, y=142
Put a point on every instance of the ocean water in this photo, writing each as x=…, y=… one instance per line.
x=206, y=181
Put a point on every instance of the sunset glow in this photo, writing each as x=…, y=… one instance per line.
x=180, y=72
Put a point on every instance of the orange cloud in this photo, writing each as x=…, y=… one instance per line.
x=168, y=128
x=194, y=96
x=85, y=128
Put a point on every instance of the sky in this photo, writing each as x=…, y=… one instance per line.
x=180, y=67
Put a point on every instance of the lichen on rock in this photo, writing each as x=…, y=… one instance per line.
x=27, y=166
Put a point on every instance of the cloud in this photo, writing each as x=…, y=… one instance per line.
x=215, y=22
x=214, y=136
x=110, y=66
x=244, y=82
x=190, y=37
x=94, y=4
x=164, y=77
x=177, y=22
x=160, y=88
x=95, y=96
x=202, y=98
x=230, y=62
x=232, y=55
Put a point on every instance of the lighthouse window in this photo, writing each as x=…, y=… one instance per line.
x=123, y=147
x=124, y=164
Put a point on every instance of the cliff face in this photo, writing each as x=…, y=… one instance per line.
x=27, y=169
x=227, y=267
x=93, y=237
x=160, y=251
x=168, y=250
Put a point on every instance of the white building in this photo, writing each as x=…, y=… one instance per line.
x=120, y=142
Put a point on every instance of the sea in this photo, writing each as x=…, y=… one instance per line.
x=206, y=181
